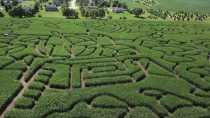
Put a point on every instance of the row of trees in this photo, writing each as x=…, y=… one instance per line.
x=9, y=4
x=136, y=11
x=19, y=11
x=16, y=10
x=70, y=13
x=98, y=3
x=119, y=4
x=102, y=3
x=92, y=12
x=179, y=15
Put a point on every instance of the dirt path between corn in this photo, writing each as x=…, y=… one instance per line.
x=20, y=94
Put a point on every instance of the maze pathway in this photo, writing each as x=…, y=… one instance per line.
x=108, y=69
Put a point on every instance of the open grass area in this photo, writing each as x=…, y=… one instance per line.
x=125, y=16
x=29, y=3
x=132, y=3
x=51, y=14
x=61, y=68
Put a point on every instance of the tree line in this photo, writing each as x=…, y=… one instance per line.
x=103, y=3
x=179, y=15
x=16, y=10
x=92, y=12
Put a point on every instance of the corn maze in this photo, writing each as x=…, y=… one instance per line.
x=106, y=69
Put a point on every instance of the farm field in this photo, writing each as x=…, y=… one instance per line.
x=59, y=68
x=201, y=6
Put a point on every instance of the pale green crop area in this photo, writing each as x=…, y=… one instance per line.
x=202, y=6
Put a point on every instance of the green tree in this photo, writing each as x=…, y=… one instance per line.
x=70, y=13
x=93, y=12
x=1, y=14
x=19, y=11
x=14, y=2
x=36, y=7
x=16, y=12
x=137, y=11
x=101, y=13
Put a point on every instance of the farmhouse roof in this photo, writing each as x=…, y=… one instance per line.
x=57, y=2
x=51, y=7
x=118, y=9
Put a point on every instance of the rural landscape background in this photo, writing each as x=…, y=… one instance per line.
x=104, y=58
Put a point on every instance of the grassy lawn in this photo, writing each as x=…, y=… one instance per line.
x=28, y=3
x=56, y=14
x=122, y=15
x=132, y=3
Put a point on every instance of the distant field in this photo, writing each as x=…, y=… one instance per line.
x=132, y=3
x=202, y=6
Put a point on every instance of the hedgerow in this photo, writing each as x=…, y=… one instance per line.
x=60, y=78
x=5, y=61
x=106, y=74
x=108, y=80
x=60, y=51
x=19, y=65
x=42, y=78
x=154, y=93
x=46, y=72
x=9, y=87
x=28, y=60
x=102, y=69
x=82, y=110
x=37, y=86
x=201, y=93
x=193, y=78
x=23, y=53
x=193, y=112
x=75, y=75
x=24, y=103
x=141, y=112
x=108, y=102
x=172, y=102
x=139, y=75
x=158, y=70
x=31, y=93
x=35, y=66
x=17, y=113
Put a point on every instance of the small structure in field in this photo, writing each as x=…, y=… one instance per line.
x=51, y=7
x=118, y=10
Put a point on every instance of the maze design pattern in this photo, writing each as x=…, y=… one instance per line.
x=110, y=70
